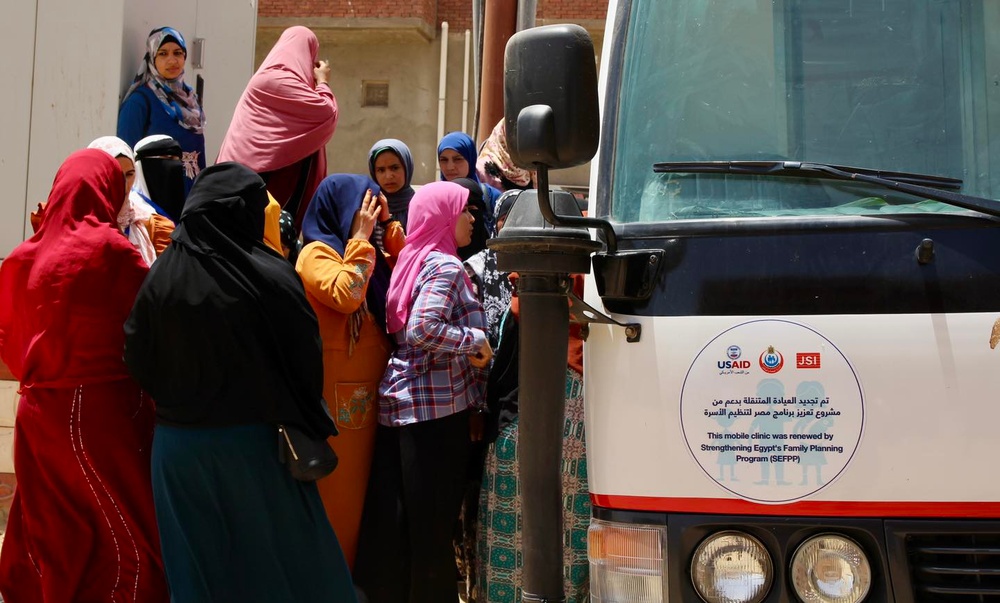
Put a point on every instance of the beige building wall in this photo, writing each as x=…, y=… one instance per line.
x=406, y=54
x=407, y=60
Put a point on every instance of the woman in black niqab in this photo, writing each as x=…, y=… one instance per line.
x=223, y=338
x=221, y=332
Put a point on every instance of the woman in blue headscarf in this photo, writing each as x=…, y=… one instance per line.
x=457, y=158
x=346, y=278
x=159, y=102
x=391, y=166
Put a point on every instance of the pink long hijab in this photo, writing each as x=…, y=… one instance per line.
x=282, y=116
x=434, y=211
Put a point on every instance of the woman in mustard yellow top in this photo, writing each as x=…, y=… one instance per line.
x=346, y=279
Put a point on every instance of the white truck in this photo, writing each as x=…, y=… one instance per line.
x=795, y=205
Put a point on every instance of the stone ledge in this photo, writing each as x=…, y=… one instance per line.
x=399, y=26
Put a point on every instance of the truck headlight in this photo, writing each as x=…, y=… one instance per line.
x=627, y=562
x=731, y=567
x=830, y=569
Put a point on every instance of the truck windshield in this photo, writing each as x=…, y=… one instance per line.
x=893, y=85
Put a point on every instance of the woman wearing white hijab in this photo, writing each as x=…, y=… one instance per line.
x=127, y=221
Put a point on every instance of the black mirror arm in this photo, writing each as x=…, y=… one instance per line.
x=545, y=206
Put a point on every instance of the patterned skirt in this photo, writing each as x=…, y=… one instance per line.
x=499, y=542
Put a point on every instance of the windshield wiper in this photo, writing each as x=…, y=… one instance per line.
x=924, y=186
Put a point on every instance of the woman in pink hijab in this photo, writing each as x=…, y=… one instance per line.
x=429, y=401
x=284, y=119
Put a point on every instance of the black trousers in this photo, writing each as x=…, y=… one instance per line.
x=405, y=550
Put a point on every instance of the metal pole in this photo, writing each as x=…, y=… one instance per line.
x=544, y=325
x=543, y=255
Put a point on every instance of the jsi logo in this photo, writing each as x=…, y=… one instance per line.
x=807, y=360
x=733, y=364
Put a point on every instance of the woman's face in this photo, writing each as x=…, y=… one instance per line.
x=389, y=172
x=453, y=165
x=128, y=168
x=463, y=227
x=169, y=60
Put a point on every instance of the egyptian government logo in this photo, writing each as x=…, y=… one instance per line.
x=771, y=360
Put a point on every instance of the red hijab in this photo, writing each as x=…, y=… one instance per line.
x=65, y=292
x=282, y=118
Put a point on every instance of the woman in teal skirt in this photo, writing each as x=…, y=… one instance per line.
x=222, y=337
x=499, y=549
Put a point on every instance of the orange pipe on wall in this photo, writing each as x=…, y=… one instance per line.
x=499, y=24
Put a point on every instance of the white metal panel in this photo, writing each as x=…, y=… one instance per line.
x=75, y=85
x=229, y=28
x=17, y=43
x=929, y=386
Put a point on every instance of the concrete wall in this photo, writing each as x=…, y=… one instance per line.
x=409, y=62
x=407, y=56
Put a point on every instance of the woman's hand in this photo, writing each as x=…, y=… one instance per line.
x=481, y=359
x=383, y=204
x=364, y=219
x=322, y=72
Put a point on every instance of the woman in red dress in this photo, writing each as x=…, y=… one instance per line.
x=81, y=526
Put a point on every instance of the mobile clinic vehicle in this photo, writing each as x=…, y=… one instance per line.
x=796, y=207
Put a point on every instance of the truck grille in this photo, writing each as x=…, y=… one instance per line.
x=961, y=568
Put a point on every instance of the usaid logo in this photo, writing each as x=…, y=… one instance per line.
x=771, y=360
x=733, y=352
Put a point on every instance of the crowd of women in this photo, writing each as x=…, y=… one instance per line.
x=169, y=320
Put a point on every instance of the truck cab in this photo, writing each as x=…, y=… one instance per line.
x=800, y=216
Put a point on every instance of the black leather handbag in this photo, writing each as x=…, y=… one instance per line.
x=307, y=459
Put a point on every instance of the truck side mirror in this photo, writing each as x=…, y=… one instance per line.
x=551, y=106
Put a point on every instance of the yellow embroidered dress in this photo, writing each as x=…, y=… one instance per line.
x=355, y=353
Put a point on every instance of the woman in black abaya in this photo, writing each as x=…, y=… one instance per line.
x=222, y=337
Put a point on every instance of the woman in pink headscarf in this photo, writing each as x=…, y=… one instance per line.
x=284, y=119
x=429, y=400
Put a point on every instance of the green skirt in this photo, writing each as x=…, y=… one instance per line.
x=234, y=524
x=499, y=540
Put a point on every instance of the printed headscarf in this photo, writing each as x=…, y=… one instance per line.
x=114, y=146
x=328, y=220
x=399, y=200
x=434, y=211
x=496, y=153
x=178, y=99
